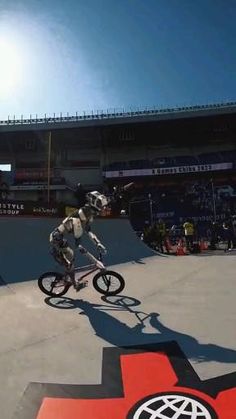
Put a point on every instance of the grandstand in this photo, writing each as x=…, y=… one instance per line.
x=177, y=155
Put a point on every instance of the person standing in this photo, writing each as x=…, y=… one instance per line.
x=160, y=231
x=228, y=235
x=189, y=233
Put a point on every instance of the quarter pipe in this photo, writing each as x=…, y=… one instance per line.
x=24, y=248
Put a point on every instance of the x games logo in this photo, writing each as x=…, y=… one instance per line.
x=148, y=382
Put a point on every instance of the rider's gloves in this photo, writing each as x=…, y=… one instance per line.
x=101, y=248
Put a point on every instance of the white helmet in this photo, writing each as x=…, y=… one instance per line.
x=96, y=200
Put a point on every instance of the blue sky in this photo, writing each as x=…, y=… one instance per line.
x=74, y=55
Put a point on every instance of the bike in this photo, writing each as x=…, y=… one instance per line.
x=105, y=282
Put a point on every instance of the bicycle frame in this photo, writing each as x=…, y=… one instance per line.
x=81, y=277
x=92, y=267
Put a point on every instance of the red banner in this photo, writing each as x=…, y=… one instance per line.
x=40, y=173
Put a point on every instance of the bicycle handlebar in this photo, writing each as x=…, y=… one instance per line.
x=100, y=253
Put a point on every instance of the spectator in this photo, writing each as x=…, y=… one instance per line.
x=214, y=235
x=228, y=235
x=160, y=234
x=146, y=236
x=189, y=233
x=234, y=229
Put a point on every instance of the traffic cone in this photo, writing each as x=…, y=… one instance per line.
x=203, y=245
x=206, y=245
x=180, y=251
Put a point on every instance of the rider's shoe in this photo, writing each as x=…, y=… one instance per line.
x=81, y=285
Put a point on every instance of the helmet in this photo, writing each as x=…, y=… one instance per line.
x=96, y=200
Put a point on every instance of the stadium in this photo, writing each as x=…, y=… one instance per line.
x=87, y=356
x=182, y=162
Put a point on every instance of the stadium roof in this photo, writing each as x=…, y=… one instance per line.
x=114, y=116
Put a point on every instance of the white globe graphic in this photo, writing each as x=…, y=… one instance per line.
x=172, y=406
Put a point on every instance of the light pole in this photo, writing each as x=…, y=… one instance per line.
x=49, y=163
x=151, y=209
x=213, y=199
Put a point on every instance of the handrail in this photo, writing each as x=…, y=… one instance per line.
x=110, y=114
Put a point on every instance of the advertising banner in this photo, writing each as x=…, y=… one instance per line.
x=30, y=208
x=35, y=175
x=160, y=171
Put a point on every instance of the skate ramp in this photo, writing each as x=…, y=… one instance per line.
x=24, y=248
x=121, y=241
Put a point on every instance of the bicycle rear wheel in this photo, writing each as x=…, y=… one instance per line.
x=53, y=284
x=108, y=283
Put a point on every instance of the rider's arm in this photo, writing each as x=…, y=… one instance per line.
x=91, y=235
x=94, y=239
x=85, y=215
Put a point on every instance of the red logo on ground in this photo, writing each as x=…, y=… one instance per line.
x=157, y=383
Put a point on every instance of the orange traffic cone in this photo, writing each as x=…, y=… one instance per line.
x=180, y=251
x=203, y=245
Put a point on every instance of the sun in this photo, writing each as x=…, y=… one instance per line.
x=10, y=67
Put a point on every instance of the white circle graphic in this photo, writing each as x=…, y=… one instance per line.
x=172, y=406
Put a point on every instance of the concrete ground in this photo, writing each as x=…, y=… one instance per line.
x=188, y=299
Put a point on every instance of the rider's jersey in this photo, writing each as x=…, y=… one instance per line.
x=76, y=223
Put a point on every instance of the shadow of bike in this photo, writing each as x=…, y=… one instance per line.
x=117, y=333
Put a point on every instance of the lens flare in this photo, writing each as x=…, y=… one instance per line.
x=10, y=68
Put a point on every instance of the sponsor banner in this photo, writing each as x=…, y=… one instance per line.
x=12, y=208
x=159, y=215
x=204, y=218
x=30, y=174
x=37, y=187
x=168, y=170
x=48, y=211
x=34, y=176
x=19, y=208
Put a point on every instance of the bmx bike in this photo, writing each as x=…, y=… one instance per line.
x=105, y=282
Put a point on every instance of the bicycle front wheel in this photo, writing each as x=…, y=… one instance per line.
x=108, y=283
x=53, y=284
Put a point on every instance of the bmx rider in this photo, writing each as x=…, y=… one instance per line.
x=77, y=224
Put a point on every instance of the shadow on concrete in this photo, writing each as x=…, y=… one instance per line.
x=120, y=334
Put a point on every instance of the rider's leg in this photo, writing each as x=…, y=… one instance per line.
x=65, y=257
x=57, y=255
x=68, y=256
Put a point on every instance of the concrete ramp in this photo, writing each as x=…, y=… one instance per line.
x=24, y=248
x=121, y=241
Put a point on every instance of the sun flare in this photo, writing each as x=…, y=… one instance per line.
x=10, y=67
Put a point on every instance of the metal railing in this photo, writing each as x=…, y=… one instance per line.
x=110, y=114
